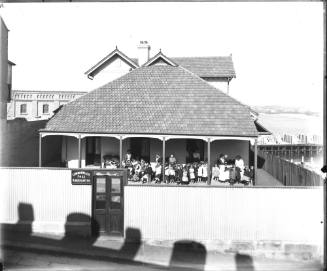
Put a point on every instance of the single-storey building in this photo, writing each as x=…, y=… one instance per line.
x=158, y=108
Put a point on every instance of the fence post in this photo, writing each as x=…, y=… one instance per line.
x=79, y=151
x=120, y=151
x=163, y=158
x=255, y=161
x=209, y=162
x=40, y=150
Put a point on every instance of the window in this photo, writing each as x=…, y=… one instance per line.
x=45, y=109
x=23, y=108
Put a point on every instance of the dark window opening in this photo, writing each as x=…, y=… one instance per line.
x=45, y=109
x=23, y=108
x=93, y=151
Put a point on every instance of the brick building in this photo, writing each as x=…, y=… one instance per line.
x=38, y=105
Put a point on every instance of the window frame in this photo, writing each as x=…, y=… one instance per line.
x=43, y=111
x=21, y=107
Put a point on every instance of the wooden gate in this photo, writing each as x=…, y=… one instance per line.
x=108, y=201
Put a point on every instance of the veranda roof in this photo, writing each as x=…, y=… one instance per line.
x=159, y=99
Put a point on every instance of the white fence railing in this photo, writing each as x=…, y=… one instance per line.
x=42, y=197
x=287, y=214
x=223, y=213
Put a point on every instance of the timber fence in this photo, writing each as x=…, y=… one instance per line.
x=289, y=173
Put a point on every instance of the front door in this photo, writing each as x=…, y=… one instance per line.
x=108, y=204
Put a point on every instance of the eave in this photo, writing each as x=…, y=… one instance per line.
x=261, y=129
x=115, y=53
x=161, y=56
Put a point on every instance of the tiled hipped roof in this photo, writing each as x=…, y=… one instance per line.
x=206, y=67
x=158, y=99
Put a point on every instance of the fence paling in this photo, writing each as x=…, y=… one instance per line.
x=288, y=173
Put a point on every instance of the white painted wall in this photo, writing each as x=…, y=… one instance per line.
x=116, y=69
x=35, y=101
x=29, y=108
x=218, y=83
x=48, y=191
x=171, y=213
x=219, y=213
x=53, y=105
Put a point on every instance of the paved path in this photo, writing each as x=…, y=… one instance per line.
x=38, y=260
x=50, y=252
x=265, y=179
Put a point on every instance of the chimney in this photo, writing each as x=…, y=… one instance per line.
x=143, y=52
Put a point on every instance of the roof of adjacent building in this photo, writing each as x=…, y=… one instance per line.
x=11, y=63
x=160, y=59
x=48, y=91
x=205, y=67
x=158, y=99
x=132, y=62
x=261, y=129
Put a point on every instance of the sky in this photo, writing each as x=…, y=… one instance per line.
x=277, y=48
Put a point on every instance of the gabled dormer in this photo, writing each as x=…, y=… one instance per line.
x=110, y=59
x=160, y=59
x=216, y=70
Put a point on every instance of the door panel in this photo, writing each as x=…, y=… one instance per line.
x=100, y=201
x=115, y=222
x=115, y=202
x=115, y=210
x=108, y=204
x=101, y=185
x=116, y=184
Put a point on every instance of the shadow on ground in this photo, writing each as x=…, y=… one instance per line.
x=244, y=262
x=186, y=254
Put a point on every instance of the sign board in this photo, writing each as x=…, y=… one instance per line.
x=81, y=177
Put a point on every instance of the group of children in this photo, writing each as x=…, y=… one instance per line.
x=144, y=172
x=184, y=174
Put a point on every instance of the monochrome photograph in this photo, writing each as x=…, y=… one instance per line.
x=162, y=136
